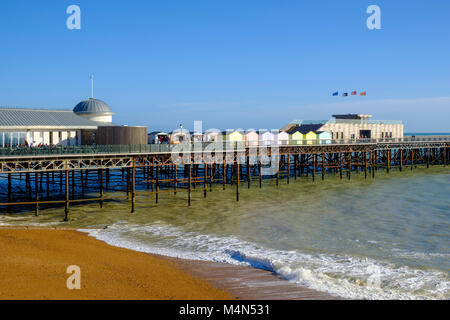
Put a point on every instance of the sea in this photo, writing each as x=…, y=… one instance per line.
x=381, y=238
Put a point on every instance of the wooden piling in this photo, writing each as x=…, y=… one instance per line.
x=288, y=168
x=205, y=179
x=133, y=186
x=323, y=166
x=189, y=183
x=157, y=184
x=36, y=197
x=101, y=186
x=237, y=179
x=314, y=167
x=175, y=180
x=66, y=203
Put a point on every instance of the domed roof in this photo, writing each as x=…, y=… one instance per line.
x=93, y=106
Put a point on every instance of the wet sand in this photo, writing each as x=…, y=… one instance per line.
x=34, y=262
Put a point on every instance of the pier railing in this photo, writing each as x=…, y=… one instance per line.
x=201, y=146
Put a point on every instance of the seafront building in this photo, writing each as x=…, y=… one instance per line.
x=351, y=127
x=90, y=122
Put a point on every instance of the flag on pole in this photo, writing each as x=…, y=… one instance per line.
x=335, y=93
x=362, y=93
x=345, y=94
x=353, y=93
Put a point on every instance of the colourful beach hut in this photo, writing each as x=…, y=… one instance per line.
x=310, y=138
x=234, y=136
x=296, y=136
x=324, y=137
x=158, y=137
x=212, y=135
x=180, y=135
x=251, y=138
x=196, y=136
x=309, y=132
x=283, y=138
x=266, y=138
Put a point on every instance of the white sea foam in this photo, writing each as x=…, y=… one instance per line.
x=345, y=276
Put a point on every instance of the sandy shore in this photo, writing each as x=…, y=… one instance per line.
x=33, y=265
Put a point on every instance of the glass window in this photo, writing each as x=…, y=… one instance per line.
x=22, y=137
x=15, y=139
x=8, y=138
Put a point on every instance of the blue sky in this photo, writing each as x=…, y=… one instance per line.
x=232, y=64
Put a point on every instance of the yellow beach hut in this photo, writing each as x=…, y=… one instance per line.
x=234, y=136
x=310, y=138
x=310, y=133
x=296, y=136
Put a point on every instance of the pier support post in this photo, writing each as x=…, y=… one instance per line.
x=237, y=179
x=175, y=180
x=101, y=187
x=278, y=167
x=189, y=183
x=157, y=184
x=401, y=160
x=47, y=181
x=288, y=168
x=349, y=166
x=295, y=166
x=9, y=192
x=211, y=175
x=36, y=192
x=73, y=184
x=365, y=165
x=61, y=182
x=82, y=181
x=373, y=163
x=314, y=167
x=128, y=183
x=224, y=175
x=388, y=160
x=205, y=181
x=133, y=186
x=248, y=172
x=260, y=172
x=66, y=203
x=107, y=179
x=323, y=166
x=445, y=155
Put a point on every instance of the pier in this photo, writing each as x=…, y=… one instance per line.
x=68, y=175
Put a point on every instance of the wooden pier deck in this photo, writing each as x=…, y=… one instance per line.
x=66, y=176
